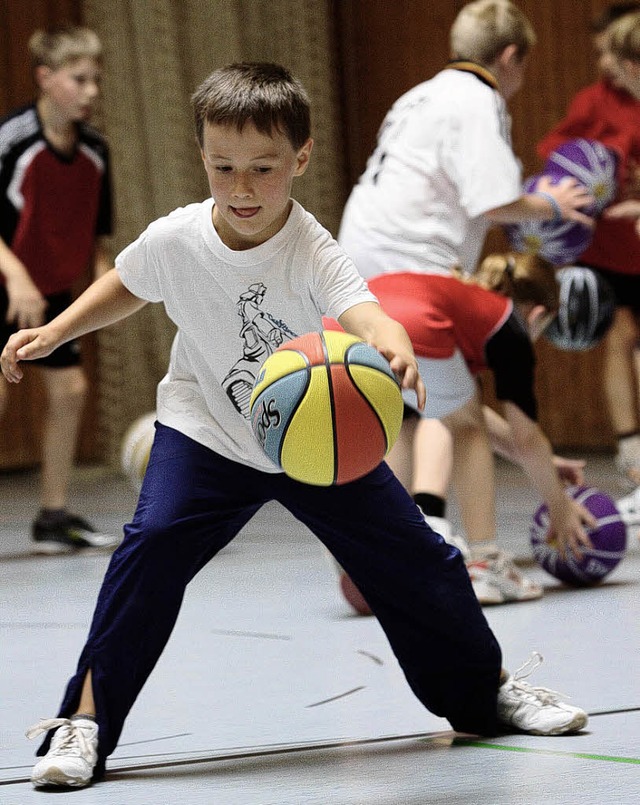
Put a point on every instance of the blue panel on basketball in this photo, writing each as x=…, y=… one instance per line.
x=364, y=355
x=609, y=538
x=272, y=411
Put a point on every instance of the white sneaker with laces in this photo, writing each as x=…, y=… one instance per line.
x=629, y=508
x=496, y=580
x=538, y=711
x=73, y=753
x=443, y=527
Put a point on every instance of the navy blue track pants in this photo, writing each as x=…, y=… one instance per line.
x=193, y=502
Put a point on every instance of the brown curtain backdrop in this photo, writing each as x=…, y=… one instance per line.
x=156, y=53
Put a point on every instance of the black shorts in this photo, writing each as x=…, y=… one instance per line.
x=66, y=355
x=625, y=287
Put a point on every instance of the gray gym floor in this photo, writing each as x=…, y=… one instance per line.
x=271, y=692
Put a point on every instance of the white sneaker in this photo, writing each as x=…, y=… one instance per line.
x=629, y=508
x=496, y=580
x=73, y=753
x=443, y=527
x=537, y=711
x=627, y=459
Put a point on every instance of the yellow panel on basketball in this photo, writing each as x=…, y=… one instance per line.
x=303, y=458
x=383, y=395
x=337, y=344
x=279, y=364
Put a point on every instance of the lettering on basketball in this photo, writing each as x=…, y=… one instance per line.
x=596, y=568
x=267, y=417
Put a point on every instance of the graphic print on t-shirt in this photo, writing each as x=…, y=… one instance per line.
x=261, y=334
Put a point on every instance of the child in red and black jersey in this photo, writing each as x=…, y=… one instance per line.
x=55, y=208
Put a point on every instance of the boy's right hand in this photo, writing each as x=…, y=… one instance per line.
x=26, y=345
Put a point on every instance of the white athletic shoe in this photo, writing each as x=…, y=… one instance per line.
x=443, y=527
x=73, y=753
x=538, y=711
x=496, y=580
x=629, y=508
x=627, y=459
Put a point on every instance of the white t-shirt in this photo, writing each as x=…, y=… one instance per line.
x=232, y=310
x=443, y=158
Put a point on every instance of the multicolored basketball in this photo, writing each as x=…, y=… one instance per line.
x=561, y=242
x=136, y=446
x=326, y=407
x=592, y=164
x=609, y=538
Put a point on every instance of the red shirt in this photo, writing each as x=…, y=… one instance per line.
x=443, y=313
x=612, y=116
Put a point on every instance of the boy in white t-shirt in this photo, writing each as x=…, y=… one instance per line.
x=443, y=171
x=239, y=274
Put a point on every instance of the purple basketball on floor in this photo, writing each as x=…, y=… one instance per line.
x=609, y=538
x=561, y=242
x=592, y=164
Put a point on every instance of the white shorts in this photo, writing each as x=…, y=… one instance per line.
x=449, y=384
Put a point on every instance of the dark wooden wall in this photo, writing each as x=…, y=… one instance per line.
x=386, y=48
x=20, y=428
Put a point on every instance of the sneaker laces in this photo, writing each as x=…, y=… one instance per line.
x=71, y=738
x=531, y=694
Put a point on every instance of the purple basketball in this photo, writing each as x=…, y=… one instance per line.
x=609, y=538
x=592, y=164
x=561, y=243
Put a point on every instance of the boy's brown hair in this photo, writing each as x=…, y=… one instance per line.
x=58, y=46
x=484, y=28
x=263, y=93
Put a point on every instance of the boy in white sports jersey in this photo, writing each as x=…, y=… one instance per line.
x=443, y=171
x=239, y=274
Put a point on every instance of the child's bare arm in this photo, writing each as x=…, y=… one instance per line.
x=533, y=452
x=105, y=302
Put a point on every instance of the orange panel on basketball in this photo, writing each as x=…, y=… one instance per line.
x=359, y=437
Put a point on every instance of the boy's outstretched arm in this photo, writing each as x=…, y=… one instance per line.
x=104, y=302
x=369, y=322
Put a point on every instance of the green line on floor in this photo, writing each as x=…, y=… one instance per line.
x=582, y=755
